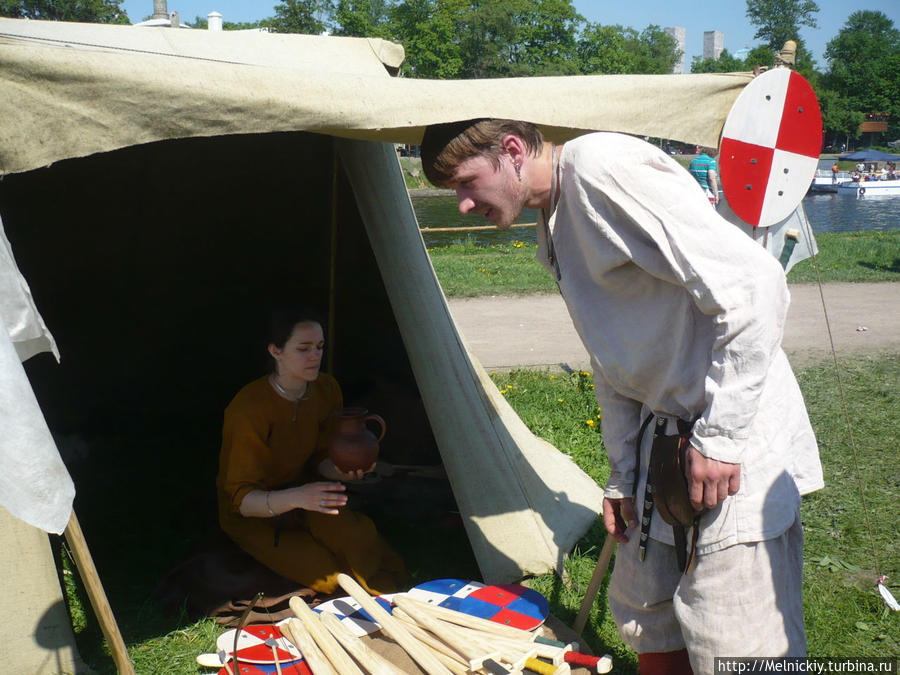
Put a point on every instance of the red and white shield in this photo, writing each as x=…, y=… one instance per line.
x=770, y=147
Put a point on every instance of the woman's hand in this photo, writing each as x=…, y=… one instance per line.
x=324, y=497
x=329, y=470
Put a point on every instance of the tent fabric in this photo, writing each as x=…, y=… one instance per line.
x=34, y=483
x=36, y=628
x=72, y=90
x=25, y=327
x=539, y=502
x=869, y=155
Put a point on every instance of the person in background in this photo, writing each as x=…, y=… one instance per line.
x=703, y=169
x=280, y=498
x=682, y=315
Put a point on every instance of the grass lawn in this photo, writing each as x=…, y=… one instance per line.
x=469, y=269
x=844, y=614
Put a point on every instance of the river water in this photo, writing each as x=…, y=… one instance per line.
x=826, y=213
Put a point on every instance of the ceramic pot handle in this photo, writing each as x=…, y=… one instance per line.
x=380, y=421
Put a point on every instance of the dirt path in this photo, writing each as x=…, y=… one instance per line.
x=535, y=331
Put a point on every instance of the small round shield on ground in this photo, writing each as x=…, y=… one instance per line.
x=508, y=604
x=252, y=646
x=770, y=147
x=352, y=615
x=293, y=668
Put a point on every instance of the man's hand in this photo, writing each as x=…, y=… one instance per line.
x=709, y=481
x=618, y=516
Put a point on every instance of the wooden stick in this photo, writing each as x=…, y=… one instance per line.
x=271, y=643
x=468, y=621
x=313, y=656
x=541, y=649
x=609, y=545
x=510, y=651
x=371, y=660
x=514, y=652
x=97, y=596
x=392, y=627
x=472, y=652
x=447, y=655
x=324, y=639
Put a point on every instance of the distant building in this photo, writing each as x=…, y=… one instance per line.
x=742, y=54
x=679, y=34
x=713, y=44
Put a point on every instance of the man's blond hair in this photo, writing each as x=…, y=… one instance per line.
x=446, y=146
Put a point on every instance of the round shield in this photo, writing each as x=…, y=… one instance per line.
x=508, y=604
x=253, y=648
x=770, y=147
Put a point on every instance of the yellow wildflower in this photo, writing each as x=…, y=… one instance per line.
x=590, y=423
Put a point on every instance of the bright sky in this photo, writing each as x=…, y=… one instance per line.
x=728, y=16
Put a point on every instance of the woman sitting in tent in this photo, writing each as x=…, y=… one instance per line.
x=280, y=497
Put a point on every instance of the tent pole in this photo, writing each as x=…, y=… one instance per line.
x=88, y=573
x=332, y=268
x=609, y=545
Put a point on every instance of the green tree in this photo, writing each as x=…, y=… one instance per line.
x=726, y=63
x=362, y=18
x=487, y=38
x=300, y=16
x=618, y=50
x=655, y=51
x=486, y=32
x=426, y=29
x=85, y=11
x=864, y=65
x=602, y=49
x=543, y=41
x=840, y=122
x=759, y=56
x=202, y=23
x=778, y=21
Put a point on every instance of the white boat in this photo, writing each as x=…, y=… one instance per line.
x=827, y=181
x=870, y=188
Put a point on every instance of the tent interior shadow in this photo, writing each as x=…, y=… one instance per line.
x=154, y=267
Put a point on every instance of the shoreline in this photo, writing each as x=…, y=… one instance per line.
x=430, y=192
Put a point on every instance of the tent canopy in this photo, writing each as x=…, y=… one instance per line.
x=129, y=251
x=870, y=155
x=70, y=90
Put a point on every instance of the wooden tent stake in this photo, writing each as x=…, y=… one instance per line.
x=88, y=573
x=609, y=545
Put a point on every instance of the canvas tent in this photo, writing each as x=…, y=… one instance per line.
x=160, y=186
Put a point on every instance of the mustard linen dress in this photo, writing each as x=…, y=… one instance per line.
x=269, y=443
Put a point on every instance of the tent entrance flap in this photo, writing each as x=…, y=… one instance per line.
x=539, y=502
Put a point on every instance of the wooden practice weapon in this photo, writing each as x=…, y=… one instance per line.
x=97, y=596
x=609, y=545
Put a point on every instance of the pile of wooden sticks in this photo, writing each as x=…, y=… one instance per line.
x=441, y=641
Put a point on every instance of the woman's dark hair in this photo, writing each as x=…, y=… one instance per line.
x=282, y=321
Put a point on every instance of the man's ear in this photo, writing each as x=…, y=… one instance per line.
x=513, y=146
x=274, y=351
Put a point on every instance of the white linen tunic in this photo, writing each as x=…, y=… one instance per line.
x=682, y=315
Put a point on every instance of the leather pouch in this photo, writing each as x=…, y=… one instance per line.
x=670, y=489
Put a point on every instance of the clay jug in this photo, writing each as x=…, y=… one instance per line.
x=352, y=445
